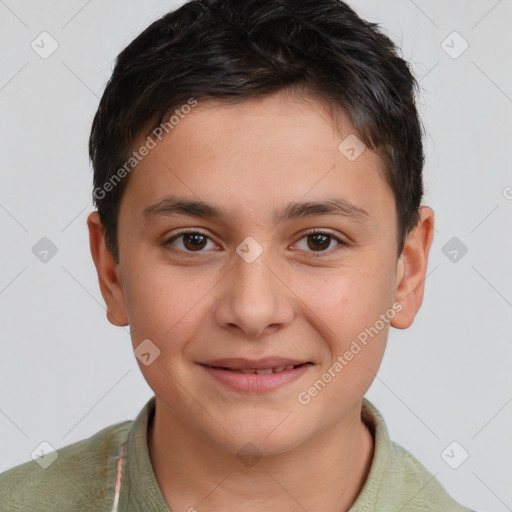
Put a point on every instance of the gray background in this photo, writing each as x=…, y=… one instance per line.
x=66, y=373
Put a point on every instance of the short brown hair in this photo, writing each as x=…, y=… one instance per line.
x=235, y=50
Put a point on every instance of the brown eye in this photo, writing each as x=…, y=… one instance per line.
x=320, y=242
x=194, y=241
x=190, y=241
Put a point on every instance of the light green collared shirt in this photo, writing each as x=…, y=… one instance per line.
x=112, y=472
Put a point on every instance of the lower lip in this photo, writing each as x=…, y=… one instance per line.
x=254, y=382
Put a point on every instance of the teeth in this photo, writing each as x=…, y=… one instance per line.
x=263, y=371
x=268, y=371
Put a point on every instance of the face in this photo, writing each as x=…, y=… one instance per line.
x=255, y=256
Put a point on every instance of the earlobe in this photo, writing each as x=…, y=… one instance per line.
x=412, y=268
x=109, y=275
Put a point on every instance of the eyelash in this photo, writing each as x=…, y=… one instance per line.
x=314, y=254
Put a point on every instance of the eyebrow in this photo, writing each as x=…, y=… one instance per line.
x=171, y=205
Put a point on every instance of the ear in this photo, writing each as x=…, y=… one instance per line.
x=412, y=268
x=109, y=275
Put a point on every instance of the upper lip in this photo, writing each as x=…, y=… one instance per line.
x=240, y=363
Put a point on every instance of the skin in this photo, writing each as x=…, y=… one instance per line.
x=295, y=300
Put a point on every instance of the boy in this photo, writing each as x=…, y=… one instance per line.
x=258, y=179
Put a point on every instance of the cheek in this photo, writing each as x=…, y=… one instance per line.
x=164, y=302
x=354, y=339
x=346, y=300
x=345, y=308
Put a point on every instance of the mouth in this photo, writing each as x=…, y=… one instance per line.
x=256, y=375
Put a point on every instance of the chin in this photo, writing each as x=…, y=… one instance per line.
x=265, y=441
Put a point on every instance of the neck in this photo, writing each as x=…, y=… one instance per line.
x=324, y=473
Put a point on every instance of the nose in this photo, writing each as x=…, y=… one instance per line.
x=254, y=299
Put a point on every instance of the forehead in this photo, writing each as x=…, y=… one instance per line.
x=256, y=155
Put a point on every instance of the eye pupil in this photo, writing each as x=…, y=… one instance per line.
x=323, y=240
x=194, y=240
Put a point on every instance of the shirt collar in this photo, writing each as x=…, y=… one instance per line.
x=141, y=491
x=367, y=498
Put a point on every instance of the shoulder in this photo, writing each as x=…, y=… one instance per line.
x=82, y=477
x=418, y=489
x=397, y=480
